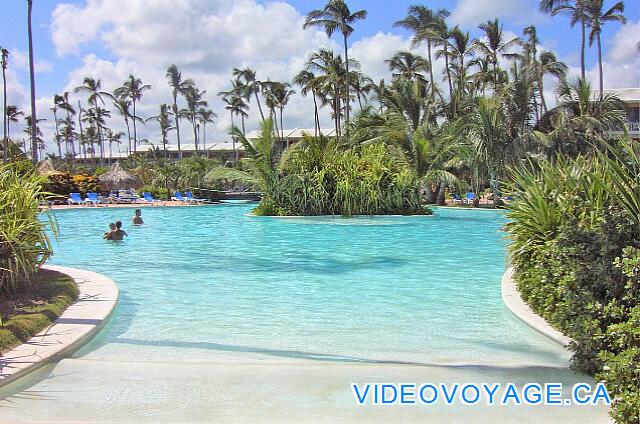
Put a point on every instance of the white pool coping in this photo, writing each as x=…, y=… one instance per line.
x=77, y=325
x=512, y=299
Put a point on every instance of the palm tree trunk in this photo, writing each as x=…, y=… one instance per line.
x=244, y=130
x=204, y=139
x=32, y=83
x=126, y=121
x=68, y=135
x=259, y=105
x=346, y=86
x=195, y=135
x=175, y=112
x=543, y=103
x=315, y=115
x=600, y=67
x=5, y=121
x=80, y=129
x=446, y=64
x=58, y=141
x=135, y=132
x=431, y=70
x=583, y=31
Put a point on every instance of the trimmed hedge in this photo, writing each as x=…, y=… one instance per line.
x=31, y=308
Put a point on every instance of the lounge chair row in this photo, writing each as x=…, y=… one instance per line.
x=188, y=198
x=114, y=198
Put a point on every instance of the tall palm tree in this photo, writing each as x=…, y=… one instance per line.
x=246, y=78
x=548, y=64
x=442, y=34
x=64, y=104
x=308, y=83
x=164, y=120
x=96, y=96
x=174, y=76
x=206, y=116
x=494, y=46
x=577, y=14
x=596, y=18
x=122, y=106
x=57, y=100
x=422, y=21
x=4, y=62
x=32, y=85
x=409, y=66
x=132, y=89
x=13, y=115
x=37, y=136
x=195, y=100
x=235, y=104
x=336, y=16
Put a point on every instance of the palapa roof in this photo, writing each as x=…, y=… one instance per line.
x=117, y=177
x=46, y=168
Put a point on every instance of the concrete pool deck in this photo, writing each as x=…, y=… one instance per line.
x=77, y=325
x=512, y=299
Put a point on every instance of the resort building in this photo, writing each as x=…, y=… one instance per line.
x=631, y=99
x=288, y=137
x=225, y=151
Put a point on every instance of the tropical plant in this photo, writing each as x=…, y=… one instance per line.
x=24, y=243
x=132, y=89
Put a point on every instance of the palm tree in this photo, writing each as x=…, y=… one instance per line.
x=596, y=18
x=548, y=64
x=174, y=76
x=195, y=102
x=122, y=106
x=95, y=117
x=405, y=64
x=4, y=62
x=442, y=34
x=37, y=136
x=114, y=138
x=250, y=86
x=32, y=84
x=93, y=88
x=64, y=104
x=205, y=116
x=494, y=46
x=133, y=89
x=13, y=115
x=309, y=84
x=164, y=120
x=422, y=22
x=576, y=11
x=57, y=100
x=336, y=16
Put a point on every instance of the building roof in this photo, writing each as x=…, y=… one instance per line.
x=625, y=94
x=295, y=133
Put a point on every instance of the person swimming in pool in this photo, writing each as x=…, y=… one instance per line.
x=107, y=235
x=137, y=219
x=119, y=233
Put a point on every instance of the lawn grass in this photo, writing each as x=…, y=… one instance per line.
x=32, y=308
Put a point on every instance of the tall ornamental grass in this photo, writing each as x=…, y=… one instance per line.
x=24, y=244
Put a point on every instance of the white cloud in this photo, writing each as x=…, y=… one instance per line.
x=20, y=60
x=469, y=13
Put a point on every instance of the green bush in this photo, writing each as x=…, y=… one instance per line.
x=159, y=193
x=24, y=244
x=574, y=246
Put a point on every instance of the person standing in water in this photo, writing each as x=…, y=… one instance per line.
x=137, y=219
x=107, y=235
x=119, y=233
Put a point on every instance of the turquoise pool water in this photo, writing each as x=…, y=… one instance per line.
x=225, y=317
x=206, y=283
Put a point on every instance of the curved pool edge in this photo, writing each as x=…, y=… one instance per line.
x=78, y=324
x=513, y=301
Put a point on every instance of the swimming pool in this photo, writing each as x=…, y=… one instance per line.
x=214, y=285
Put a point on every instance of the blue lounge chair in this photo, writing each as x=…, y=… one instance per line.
x=178, y=197
x=148, y=198
x=93, y=199
x=193, y=199
x=75, y=199
x=470, y=197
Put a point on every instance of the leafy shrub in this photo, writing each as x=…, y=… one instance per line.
x=86, y=183
x=157, y=192
x=60, y=184
x=574, y=246
x=24, y=244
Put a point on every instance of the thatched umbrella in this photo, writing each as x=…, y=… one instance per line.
x=46, y=169
x=117, y=178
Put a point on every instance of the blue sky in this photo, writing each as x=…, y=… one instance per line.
x=137, y=36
